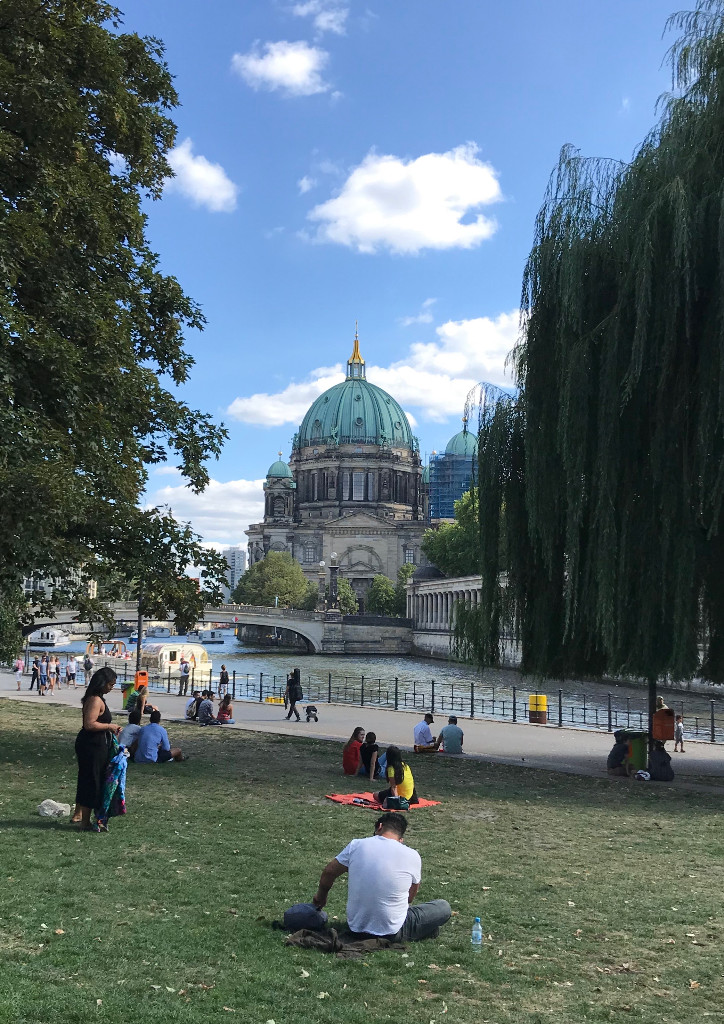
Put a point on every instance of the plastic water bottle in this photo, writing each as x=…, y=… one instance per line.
x=477, y=935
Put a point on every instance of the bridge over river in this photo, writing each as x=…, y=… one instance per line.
x=327, y=632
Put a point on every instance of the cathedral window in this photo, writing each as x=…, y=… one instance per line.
x=410, y=555
x=308, y=555
x=371, y=496
x=345, y=485
x=358, y=486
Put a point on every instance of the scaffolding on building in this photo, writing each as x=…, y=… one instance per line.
x=450, y=477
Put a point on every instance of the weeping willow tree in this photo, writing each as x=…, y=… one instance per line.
x=606, y=474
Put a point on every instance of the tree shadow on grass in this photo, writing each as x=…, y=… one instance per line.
x=44, y=824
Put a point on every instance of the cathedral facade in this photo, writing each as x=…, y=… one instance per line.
x=353, y=487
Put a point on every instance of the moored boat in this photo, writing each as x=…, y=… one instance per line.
x=161, y=659
x=49, y=638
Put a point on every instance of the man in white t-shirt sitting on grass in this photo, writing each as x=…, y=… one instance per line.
x=384, y=876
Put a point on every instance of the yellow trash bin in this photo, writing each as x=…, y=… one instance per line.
x=537, y=709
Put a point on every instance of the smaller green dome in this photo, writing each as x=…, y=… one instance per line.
x=279, y=469
x=463, y=443
x=426, y=475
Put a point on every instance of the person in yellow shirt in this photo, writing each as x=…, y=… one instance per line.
x=399, y=778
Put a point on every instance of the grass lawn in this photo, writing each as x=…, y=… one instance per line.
x=603, y=900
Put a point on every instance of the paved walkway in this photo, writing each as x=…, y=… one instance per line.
x=571, y=751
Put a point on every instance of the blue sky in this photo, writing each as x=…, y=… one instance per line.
x=339, y=160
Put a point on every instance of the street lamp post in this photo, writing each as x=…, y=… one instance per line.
x=320, y=594
x=333, y=570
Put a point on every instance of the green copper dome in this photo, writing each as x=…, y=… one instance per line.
x=355, y=412
x=279, y=469
x=463, y=443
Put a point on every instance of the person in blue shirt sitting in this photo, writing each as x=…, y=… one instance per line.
x=153, y=744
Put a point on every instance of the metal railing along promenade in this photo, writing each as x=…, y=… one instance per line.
x=703, y=718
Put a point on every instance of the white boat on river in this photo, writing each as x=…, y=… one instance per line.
x=49, y=638
x=162, y=659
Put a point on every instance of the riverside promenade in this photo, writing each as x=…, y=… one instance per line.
x=569, y=751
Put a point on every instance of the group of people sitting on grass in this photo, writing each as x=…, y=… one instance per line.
x=148, y=744
x=361, y=756
x=200, y=708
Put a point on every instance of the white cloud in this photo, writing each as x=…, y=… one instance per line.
x=327, y=15
x=166, y=471
x=423, y=317
x=431, y=202
x=305, y=184
x=221, y=513
x=206, y=184
x=294, y=68
x=433, y=378
x=287, y=406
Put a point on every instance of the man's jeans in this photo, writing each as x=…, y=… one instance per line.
x=424, y=920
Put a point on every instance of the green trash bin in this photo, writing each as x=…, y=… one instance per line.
x=638, y=751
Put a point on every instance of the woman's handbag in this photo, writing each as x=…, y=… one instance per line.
x=396, y=803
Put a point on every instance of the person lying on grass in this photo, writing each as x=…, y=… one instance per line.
x=384, y=877
x=153, y=744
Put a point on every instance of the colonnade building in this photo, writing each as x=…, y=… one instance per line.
x=431, y=599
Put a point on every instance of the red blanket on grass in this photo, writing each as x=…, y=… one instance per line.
x=372, y=805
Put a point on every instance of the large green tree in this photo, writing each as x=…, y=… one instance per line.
x=610, y=465
x=346, y=597
x=277, y=579
x=455, y=547
x=381, y=597
x=91, y=331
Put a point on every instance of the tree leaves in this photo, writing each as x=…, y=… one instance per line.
x=89, y=326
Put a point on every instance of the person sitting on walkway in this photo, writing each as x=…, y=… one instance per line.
x=153, y=744
x=226, y=711
x=129, y=734
x=139, y=699
x=451, y=737
x=191, y=712
x=616, y=764
x=350, y=752
x=660, y=768
x=384, y=877
x=399, y=777
x=372, y=763
x=206, y=710
x=424, y=740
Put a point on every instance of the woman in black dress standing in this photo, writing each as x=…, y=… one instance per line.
x=91, y=746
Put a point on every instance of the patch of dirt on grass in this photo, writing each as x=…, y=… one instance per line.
x=12, y=943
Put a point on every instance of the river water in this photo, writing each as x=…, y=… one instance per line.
x=447, y=686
